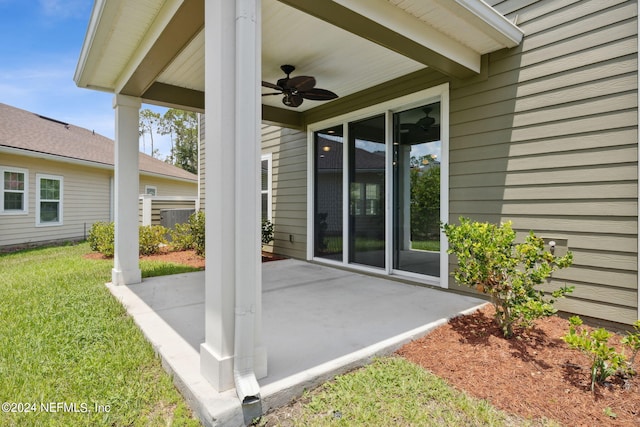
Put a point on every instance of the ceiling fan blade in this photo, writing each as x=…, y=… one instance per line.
x=301, y=83
x=271, y=86
x=317, y=94
x=274, y=93
x=292, y=100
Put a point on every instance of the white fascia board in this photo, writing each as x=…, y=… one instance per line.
x=165, y=15
x=504, y=31
x=395, y=19
x=102, y=15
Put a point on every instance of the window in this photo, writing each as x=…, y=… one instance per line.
x=48, y=200
x=151, y=190
x=14, y=183
x=266, y=186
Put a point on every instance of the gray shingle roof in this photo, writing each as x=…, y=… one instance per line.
x=28, y=131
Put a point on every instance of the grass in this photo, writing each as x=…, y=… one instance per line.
x=426, y=245
x=393, y=392
x=68, y=345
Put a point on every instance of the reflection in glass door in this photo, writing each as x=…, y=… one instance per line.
x=416, y=193
x=366, y=192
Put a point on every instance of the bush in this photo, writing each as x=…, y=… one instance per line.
x=190, y=235
x=101, y=238
x=151, y=237
x=605, y=360
x=197, y=223
x=267, y=232
x=181, y=237
x=491, y=262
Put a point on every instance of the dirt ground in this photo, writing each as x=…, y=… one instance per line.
x=535, y=376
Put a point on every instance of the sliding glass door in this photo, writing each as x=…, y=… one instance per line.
x=416, y=190
x=378, y=184
x=366, y=192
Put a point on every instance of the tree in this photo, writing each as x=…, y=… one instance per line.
x=182, y=127
x=149, y=121
x=425, y=202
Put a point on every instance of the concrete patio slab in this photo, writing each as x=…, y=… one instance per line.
x=318, y=322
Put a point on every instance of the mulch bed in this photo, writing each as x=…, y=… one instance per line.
x=534, y=376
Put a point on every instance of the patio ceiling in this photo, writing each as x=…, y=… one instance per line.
x=153, y=49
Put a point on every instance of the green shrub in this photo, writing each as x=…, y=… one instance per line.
x=491, y=262
x=181, y=237
x=101, y=238
x=151, y=237
x=267, y=232
x=632, y=340
x=605, y=360
x=197, y=223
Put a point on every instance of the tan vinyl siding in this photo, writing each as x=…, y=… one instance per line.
x=159, y=204
x=169, y=187
x=549, y=141
x=85, y=200
x=289, y=151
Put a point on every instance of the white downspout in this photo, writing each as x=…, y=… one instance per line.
x=247, y=128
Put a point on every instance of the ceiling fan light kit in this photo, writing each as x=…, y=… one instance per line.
x=296, y=89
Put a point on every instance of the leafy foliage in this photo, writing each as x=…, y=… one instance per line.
x=632, y=340
x=491, y=262
x=101, y=238
x=267, y=232
x=181, y=237
x=605, y=360
x=182, y=127
x=150, y=238
x=197, y=225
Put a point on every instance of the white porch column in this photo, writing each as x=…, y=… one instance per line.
x=232, y=144
x=126, y=268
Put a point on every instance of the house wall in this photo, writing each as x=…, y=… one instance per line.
x=169, y=187
x=289, y=169
x=86, y=198
x=549, y=140
x=201, y=163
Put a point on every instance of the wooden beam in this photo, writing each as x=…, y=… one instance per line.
x=282, y=117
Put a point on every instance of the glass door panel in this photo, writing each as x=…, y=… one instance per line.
x=416, y=193
x=366, y=192
x=328, y=193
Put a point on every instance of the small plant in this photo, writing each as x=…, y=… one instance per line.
x=181, y=237
x=605, y=360
x=267, y=231
x=101, y=238
x=491, y=262
x=632, y=340
x=150, y=238
x=197, y=224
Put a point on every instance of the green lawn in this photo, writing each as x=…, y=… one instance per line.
x=69, y=353
x=392, y=392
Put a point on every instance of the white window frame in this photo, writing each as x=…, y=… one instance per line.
x=438, y=93
x=59, y=178
x=25, y=200
x=151, y=187
x=269, y=191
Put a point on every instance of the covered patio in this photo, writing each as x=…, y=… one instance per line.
x=217, y=57
x=317, y=322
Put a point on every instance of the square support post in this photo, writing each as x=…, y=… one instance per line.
x=232, y=191
x=126, y=267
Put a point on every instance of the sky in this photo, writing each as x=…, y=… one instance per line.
x=39, y=50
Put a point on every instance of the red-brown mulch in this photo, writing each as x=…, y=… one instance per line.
x=535, y=376
x=183, y=257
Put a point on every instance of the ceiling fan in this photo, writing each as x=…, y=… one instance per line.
x=297, y=89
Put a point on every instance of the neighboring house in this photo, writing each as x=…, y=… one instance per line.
x=529, y=107
x=56, y=179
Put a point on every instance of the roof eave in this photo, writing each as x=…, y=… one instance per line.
x=505, y=31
